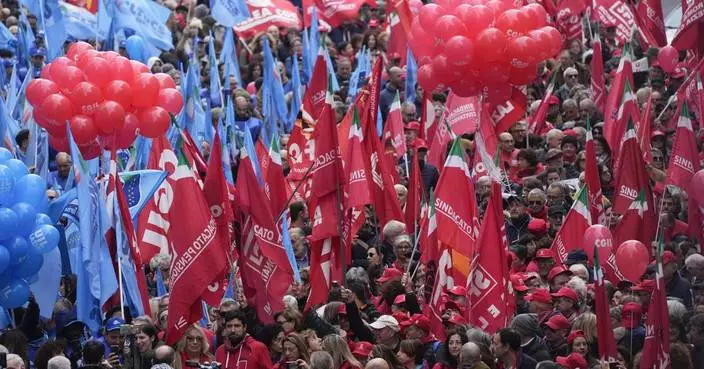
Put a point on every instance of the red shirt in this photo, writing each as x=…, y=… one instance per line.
x=250, y=354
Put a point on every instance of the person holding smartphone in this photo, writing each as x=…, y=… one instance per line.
x=295, y=349
x=113, y=341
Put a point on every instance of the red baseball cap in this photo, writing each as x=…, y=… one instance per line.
x=574, y=335
x=457, y=291
x=572, y=361
x=419, y=320
x=517, y=283
x=554, y=272
x=456, y=319
x=668, y=257
x=566, y=292
x=554, y=100
x=558, y=321
x=538, y=226
x=539, y=295
x=544, y=254
x=389, y=274
x=647, y=285
x=362, y=350
x=412, y=126
x=631, y=315
x=420, y=144
x=400, y=299
x=342, y=310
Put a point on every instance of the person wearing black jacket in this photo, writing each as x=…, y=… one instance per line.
x=506, y=347
x=531, y=343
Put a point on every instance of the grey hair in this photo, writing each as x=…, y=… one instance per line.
x=676, y=310
x=554, y=133
x=321, y=360
x=59, y=362
x=159, y=260
x=479, y=337
x=392, y=229
x=357, y=274
x=579, y=267
x=570, y=103
x=4, y=350
x=694, y=261
x=11, y=358
x=578, y=285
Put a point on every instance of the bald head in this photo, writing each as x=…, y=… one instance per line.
x=377, y=363
x=470, y=354
x=507, y=142
x=164, y=354
x=396, y=77
x=63, y=164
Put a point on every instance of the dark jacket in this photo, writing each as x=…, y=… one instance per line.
x=524, y=362
x=537, y=349
x=515, y=228
x=386, y=98
x=681, y=289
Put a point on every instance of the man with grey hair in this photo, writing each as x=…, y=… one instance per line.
x=536, y=200
x=570, y=111
x=321, y=360
x=587, y=108
x=377, y=363
x=471, y=357
x=58, y=179
x=409, y=112
x=571, y=78
x=554, y=139
x=59, y=362
x=391, y=230
x=14, y=361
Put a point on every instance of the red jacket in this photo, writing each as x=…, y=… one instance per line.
x=250, y=354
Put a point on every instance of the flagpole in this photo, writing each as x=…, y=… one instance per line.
x=343, y=257
x=305, y=175
x=119, y=272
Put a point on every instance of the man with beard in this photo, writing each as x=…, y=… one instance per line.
x=517, y=224
x=240, y=350
x=244, y=117
x=556, y=330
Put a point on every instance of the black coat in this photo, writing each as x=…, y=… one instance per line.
x=537, y=349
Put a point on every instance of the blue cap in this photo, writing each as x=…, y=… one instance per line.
x=123, y=44
x=37, y=51
x=8, y=63
x=113, y=324
x=39, y=34
x=70, y=38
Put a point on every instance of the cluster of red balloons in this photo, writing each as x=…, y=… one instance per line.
x=475, y=46
x=103, y=96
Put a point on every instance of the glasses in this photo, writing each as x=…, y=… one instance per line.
x=192, y=338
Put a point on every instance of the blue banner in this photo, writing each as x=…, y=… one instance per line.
x=80, y=23
x=229, y=12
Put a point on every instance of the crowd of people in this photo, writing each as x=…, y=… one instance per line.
x=377, y=318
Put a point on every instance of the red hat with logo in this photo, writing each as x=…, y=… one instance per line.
x=557, y=322
x=566, y=292
x=456, y=319
x=574, y=335
x=560, y=269
x=362, y=350
x=647, y=285
x=420, y=144
x=389, y=274
x=631, y=315
x=517, y=283
x=539, y=295
x=538, y=227
x=419, y=320
x=400, y=299
x=544, y=254
x=572, y=361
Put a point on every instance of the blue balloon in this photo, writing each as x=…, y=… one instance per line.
x=5, y=155
x=15, y=294
x=8, y=223
x=4, y=259
x=42, y=218
x=18, y=248
x=44, y=238
x=32, y=190
x=26, y=216
x=17, y=167
x=135, y=48
x=7, y=185
x=29, y=266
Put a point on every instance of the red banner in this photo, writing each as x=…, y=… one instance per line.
x=650, y=14
x=691, y=26
x=265, y=13
x=462, y=113
x=615, y=12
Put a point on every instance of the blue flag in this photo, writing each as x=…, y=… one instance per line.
x=314, y=35
x=295, y=105
x=204, y=320
x=308, y=60
x=273, y=98
x=7, y=39
x=129, y=271
x=80, y=23
x=4, y=123
x=411, y=77
x=160, y=286
x=252, y=153
x=58, y=204
x=288, y=246
x=228, y=56
x=209, y=131
x=54, y=29
x=229, y=12
x=144, y=18
x=139, y=187
x=230, y=289
x=27, y=28
x=47, y=284
x=215, y=87
x=192, y=117
x=357, y=74
x=226, y=156
x=331, y=71
x=96, y=280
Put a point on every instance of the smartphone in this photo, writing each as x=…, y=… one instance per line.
x=335, y=284
x=291, y=365
x=614, y=365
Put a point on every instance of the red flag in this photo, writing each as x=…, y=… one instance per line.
x=403, y=10
x=649, y=13
x=489, y=288
x=301, y=153
x=620, y=104
x=618, y=13
x=280, y=13
x=398, y=39
x=393, y=129
x=328, y=165
x=684, y=159
x=443, y=280
x=691, y=27
x=656, y=349
x=337, y=12
x=316, y=92
x=429, y=237
x=607, y=345
x=188, y=144
x=598, y=85
x=695, y=216
x=537, y=121
x=511, y=111
x=193, y=238
x=322, y=264
x=415, y=190
x=568, y=18
x=273, y=176
x=356, y=171
x=455, y=203
x=593, y=181
x=485, y=148
x=569, y=236
x=462, y=113
x=645, y=130
x=438, y=148
x=217, y=195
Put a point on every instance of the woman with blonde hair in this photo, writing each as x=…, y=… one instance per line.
x=312, y=340
x=294, y=349
x=337, y=347
x=291, y=320
x=194, y=347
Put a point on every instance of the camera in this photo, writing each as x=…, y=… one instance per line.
x=210, y=365
x=291, y=365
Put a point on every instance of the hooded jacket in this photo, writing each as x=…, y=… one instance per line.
x=249, y=354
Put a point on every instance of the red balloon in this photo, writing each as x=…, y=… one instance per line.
x=138, y=68
x=512, y=22
x=46, y=72
x=119, y=91
x=497, y=7
x=153, y=121
x=109, y=116
x=83, y=129
x=59, y=143
x=85, y=58
x=43, y=120
x=465, y=88
x=165, y=80
x=543, y=43
x=459, y=51
x=536, y=14
x=62, y=60
x=422, y=43
x=499, y=93
x=121, y=69
x=632, y=259
x=110, y=55
x=67, y=77
x=556, y=38
x=78, y=48
x=428, y=14
x=57, y=107
x=128, y=133
x=171, y=100
x=479, y=17
x=448, y=5
x=426, y=78
x=90, y=150
x=38, y=89
x=668, y=58
x=145, y=90
x=521, y=52
x=97, y=70
x=599, y=236
x=441, y=70
x=696, y=185
x=495, y=72
x=448, y=26
x=491, y=44
x=85, y=98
